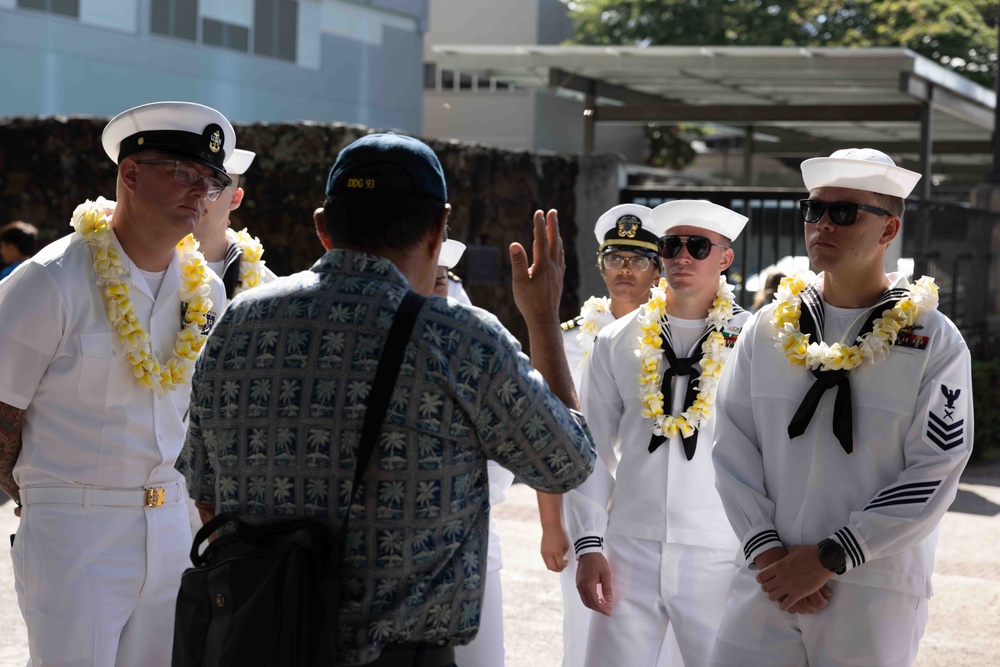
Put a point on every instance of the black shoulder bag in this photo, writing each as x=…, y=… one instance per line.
x=269, y=594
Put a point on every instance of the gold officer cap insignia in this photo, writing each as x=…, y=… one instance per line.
x=628, y=226
x=215, y=142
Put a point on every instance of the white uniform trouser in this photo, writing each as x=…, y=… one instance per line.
x=654, y=585
x=97, y=585
x=862, y=625
x=576, y=624
x=576, y=617
x=487, y=649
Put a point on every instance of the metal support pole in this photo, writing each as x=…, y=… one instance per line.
x=926, y=145
x=589, y=121
x=995, y=176
x=748, y=155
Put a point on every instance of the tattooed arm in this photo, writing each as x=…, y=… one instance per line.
x=10, y=447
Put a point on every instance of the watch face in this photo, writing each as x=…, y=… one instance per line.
x=831, y=555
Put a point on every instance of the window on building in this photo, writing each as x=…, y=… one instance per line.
x=61, y=7
x=176, y=18
x=441, y=79
x=275, y=28
x=227, y=35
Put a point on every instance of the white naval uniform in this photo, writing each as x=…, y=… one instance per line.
x=235, y=254
x=487, y=649
x=913, y=430
x=96, y=572
x=456, y=290
x=668, y=545
x=576, y=616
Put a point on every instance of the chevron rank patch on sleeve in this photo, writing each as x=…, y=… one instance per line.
x=944, y=425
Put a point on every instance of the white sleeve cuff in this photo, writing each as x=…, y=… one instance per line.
x=588, y=543
x=758, y=540
x=854, y=548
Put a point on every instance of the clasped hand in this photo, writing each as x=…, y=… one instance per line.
x=795, y=579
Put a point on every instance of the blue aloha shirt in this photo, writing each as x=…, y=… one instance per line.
x=277, y=403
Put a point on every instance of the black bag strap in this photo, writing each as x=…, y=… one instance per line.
x=378, y=404
x=385, y=381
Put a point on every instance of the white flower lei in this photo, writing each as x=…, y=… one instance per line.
x=91, y=221
x=712, y=362
x=591, y=312
x=251, y=265
x=923, y=295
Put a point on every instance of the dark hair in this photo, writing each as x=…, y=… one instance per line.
x=895, y=205
x=21, y=235
x=373, y=221
x=767, y=290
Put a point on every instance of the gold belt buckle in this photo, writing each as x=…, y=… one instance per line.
x=154, y=496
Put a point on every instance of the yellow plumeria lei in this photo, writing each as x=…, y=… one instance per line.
x=713, y=360
x=591, y=312
x=923, y=295
x=251, y=265
x=91, y=221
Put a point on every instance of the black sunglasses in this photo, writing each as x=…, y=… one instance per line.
x=698, y=247
x=842, y=213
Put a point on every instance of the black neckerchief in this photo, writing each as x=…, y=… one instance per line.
x=680, y=366
x=231, y=269
x=811, y=323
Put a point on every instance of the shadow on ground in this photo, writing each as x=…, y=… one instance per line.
x=970, y=502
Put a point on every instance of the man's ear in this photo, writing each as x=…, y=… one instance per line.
x=727, y=259
x=436, y=237
x=891, y=230
x=237, y=199
x=319, y=218
x=127, y=173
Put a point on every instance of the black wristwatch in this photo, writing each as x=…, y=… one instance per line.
x=832, y=556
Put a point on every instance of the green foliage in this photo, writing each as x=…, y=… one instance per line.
x=960, y=34
x=955, y=33
x=685, y=22
x=985, y=380
x=669, y=145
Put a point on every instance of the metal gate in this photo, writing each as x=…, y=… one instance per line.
x=959, y=247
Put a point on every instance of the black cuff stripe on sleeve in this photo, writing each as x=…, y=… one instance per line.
x=851, y=546
x=587, y=542
x=759, y=539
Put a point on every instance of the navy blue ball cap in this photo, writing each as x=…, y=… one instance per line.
x=387, y=162
x=184, y=130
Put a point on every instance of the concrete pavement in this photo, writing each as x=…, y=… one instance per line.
x=963, y=630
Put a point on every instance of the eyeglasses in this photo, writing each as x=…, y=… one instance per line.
x=698, y=247
x=634, y=263
x=842, y=213
x=188, y=176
